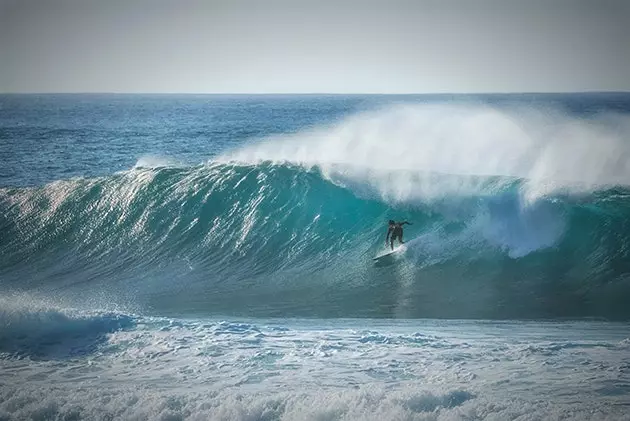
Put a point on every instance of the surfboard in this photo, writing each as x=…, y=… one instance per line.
x=387, y=254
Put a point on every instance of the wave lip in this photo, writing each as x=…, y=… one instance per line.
x=389, y=148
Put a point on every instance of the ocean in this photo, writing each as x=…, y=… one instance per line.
x=209, y=257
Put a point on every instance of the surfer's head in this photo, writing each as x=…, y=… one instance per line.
x=391, y=222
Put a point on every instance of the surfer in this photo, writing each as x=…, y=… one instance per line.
x=396, y=231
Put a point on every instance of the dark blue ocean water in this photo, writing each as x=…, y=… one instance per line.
x=53, y=137
x=210, y=257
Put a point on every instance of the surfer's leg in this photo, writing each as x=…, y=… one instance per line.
x=392, y=242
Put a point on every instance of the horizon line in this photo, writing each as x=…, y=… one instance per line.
x=321, y=93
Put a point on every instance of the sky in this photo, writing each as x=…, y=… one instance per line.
x=299, y=46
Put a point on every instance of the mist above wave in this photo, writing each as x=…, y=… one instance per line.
x=393, y=148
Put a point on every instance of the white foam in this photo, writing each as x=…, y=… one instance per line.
x=35, y=329
x=369, y=404
x=328, y=370
x=393, y=149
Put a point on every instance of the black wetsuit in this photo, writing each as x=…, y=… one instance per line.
x=396, y=231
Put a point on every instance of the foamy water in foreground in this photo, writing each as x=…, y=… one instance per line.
x=103, y=366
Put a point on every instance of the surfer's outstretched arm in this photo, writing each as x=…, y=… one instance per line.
x=389, y=231
x=405, y=222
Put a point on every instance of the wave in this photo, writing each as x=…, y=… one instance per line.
x=270, y=238
x=288, y=226
x=29, y=328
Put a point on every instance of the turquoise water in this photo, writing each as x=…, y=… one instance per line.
x=210, y=257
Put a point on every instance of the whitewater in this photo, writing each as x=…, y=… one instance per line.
x=210, y=257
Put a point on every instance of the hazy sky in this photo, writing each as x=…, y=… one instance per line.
x=258, y=46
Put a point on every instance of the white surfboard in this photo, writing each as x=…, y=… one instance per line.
x=389, y=253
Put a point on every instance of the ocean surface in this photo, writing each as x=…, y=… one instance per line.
x=209, y=257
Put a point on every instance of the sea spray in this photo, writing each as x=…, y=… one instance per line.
x=393, y=149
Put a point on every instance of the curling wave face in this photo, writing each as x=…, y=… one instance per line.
x=275, y=239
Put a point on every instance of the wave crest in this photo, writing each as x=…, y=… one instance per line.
x=392, y=149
